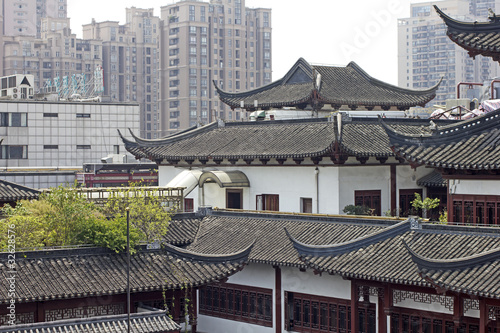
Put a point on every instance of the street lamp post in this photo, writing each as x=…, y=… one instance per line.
x=128, y=269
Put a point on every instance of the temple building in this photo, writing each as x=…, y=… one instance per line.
x=307, y=86
x=478, y=38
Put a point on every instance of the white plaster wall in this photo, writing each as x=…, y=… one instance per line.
x=290, y=183
x=481, y=187
x=308, y=283
x=255, y=275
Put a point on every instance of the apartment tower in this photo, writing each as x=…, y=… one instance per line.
x=131, y=61
x=426, y=54
x=222, y=42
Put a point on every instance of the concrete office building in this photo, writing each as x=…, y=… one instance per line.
x=131, y=59
x=24, y=17
x=425, y=53
x=221, y=41
x=40, y=135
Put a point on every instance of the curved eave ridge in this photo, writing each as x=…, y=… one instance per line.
x=453, y=264
x=239, y=257
x=446, y=135
x=352, y=85
x=306, y=250
x=175, y=137
x=467, y=26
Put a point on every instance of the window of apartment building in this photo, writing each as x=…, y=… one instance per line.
x=192, y=92
x=173, y=41
x=173, y=52
x=83, y=147
x=192, y=60
x=267, y=202
x=14, y=152
x=50, y=147
x=50, y=115
x=370, y=199
x=192, y=40
x=174, y=114
x=192, y=50
x=174, y=83
x=173, y=31
x=406, y=196
x=174, y=72
x=83, y=115
x=173, y=62
x=237, y=302
x=10, y=119
x=203, y=40
x=192, y=82
x=174, y=93
x=174, y=104
x=174, y=124
x=267, y=35
x=192, y=11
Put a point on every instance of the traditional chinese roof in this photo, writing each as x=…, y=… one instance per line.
x=182, y=232
x=280, y=140
x=316, y=86
x=63, y=274
x=12, y=192
x=433, y=179
x=377, y=250
x=145, y=322
x=470, y=145
x=478, y=38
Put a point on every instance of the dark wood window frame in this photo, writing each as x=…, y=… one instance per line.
x=233, y=190
x=188, y=205
x=474, y=209
x=406, y=196
x=369, y=198
x=269, y=202
x=237, y=302
x=313, y=313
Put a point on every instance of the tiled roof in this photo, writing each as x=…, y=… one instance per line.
x=62, y=274
x=479, y=38
x=472, y=144
x=279, y=139
x=230, y=233
x=146, y=322
x=11, y=192
x=361, y=249
x=182, y=232
x=433, y=179
x=319, y=85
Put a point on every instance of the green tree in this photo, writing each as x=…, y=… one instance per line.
x=63, y=217
x=426, y=204
x=146, y=208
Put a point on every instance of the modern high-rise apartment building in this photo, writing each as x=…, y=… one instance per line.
x=24, y=17
x=131, y=59
x=426, y=54
x=1, y=38
x=57, y=54
x=223, y=42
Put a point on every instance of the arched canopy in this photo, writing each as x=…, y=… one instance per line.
x=224, y=178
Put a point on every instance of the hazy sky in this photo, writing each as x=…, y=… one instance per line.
x=332, y=32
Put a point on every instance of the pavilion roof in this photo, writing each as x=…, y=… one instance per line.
x=316, y=86
x=478, y=38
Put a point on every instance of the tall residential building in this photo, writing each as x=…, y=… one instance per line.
x=57, y=54
x=222, y=42
x=131, y=58
x=24, y=17
x=1, y=39
x=426, y=54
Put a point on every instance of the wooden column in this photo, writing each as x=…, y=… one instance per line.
x=277, y=298
x=40, y=312
x=458, y=310
x=382, y=316
x=177, y=307
x=354, y=307
x=394, y=195
x=193, y=313
x=483, y=316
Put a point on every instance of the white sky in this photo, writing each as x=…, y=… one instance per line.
x=331, y=32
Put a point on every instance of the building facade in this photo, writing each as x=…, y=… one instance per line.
x=425, y=53
x=59, y=136
x=222, y=41
x=131, y=63
x=24, y=17
x=57, y=54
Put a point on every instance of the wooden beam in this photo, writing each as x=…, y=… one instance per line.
x=277, y=298
x=354, y=307
x=393, y=190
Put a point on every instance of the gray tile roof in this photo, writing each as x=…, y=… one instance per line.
x=478, y=38
x=63, y=274
x=338, y=86
x=472, y=144
x=11, y=192
x=433, y=179
x=182, y=232
x=362, y=249
x=146, y=322
x=283, y=139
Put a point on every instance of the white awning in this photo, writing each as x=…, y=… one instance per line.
x=233, y=178
x=188, y=179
